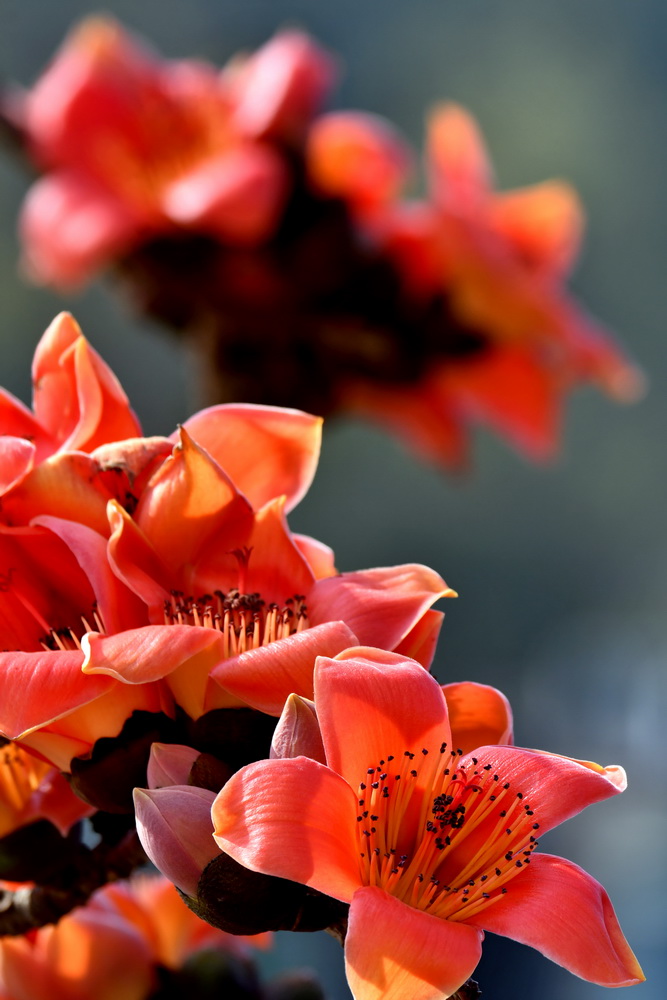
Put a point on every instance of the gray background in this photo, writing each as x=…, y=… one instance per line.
x=561, y=570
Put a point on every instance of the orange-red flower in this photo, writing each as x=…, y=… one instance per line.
x=428, y=844
x=111, y=948
x=510, y=341
x=133, y=147
x=253, y=603
x=164, y=574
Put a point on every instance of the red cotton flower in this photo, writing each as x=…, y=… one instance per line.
x=133, y=147
x=428, y=844
x=508, y=341
x=155, y=574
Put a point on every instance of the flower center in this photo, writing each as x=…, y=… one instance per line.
x=245, y=620
x=449, y=848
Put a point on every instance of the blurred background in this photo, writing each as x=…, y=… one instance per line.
x=561, y=569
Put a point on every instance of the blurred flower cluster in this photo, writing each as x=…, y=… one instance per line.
x=278, y=239
x=183, y=678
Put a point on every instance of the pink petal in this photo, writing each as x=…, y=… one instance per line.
x=70, y=228
x=170, y=764
x=175, y=829
x=562, y=911
x=266, y=451
x=16, y=460
x=236, y=196
x=381, y=606
x=460, y=170
x=372, y=704
x=292, y=818
x=265, y=677
x=282, y=85
x=298, y=732
x=394, y=952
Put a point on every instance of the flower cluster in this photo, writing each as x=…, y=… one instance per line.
x=294, y=763
x=183, y=678
x=278, y=239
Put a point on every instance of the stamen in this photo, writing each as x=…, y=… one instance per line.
x=244, y=620
x=444, y=840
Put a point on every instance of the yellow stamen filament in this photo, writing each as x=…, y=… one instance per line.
x=244, y=620
x=417, y=816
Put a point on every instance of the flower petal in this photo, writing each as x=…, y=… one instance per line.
x=478, y=714
x=265, y=677
x=267, y=451
x=37, y=688
x=394, y=952
x=182, y=654
x=298, y=733
x=381, y=606
x=371, y=704
x=319, y=556
x=70, y=227
x=543, y=223
x=176, y=831
x=16, y=459
x=235, y=197
x=189, y=506
x=558, y=908
x=293, y=818
x=420, y=642
x=543, y=777
x=461, y=173
x=75, y=394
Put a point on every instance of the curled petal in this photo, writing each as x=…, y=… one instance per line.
x=558, y=908
x=189, y=505
x=381, y=606
x=395, y=952
x=478, y=714
x=267, y=451
x=292, y=818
